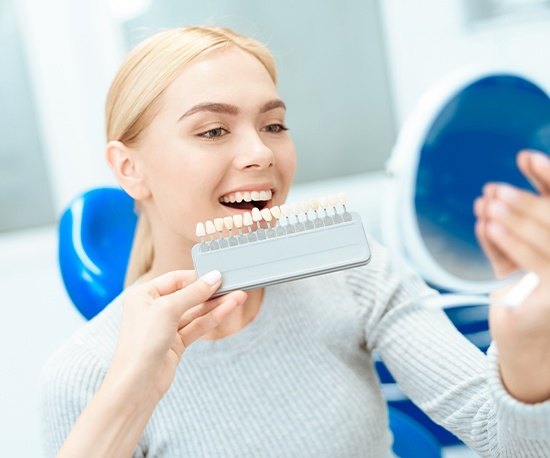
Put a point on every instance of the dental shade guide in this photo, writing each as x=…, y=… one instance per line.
x=281, y=244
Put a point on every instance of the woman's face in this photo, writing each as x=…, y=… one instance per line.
x=219, y=136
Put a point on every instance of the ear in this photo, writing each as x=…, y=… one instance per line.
x=125, y=164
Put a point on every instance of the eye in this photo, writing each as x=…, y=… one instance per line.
x=274, y=128
x=216, y=132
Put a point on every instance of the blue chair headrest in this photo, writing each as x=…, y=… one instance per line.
x=95, y=237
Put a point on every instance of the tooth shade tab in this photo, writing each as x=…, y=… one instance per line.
x=295, y=209
x=314, y=204
x=342, y=198
x=332, y=200
x=304, y=206
x=228, y=222
x=247, y=219
x=256, y=215
x=275, y=211
x=200, y=231
x=285, y=210
x=238, y=220
x=266, y=214
x=218, y=223
x=323, y=203
x=210, y=229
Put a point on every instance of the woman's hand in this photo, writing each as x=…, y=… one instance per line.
x=160, y=319
x=513, y=228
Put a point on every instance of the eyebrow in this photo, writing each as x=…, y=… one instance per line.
x=226, y=108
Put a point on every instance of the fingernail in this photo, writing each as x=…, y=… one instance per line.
x=507, y=193
x=541, y=160
x=212, y=277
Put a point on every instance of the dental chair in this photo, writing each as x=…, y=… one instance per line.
x=95, y=237
x=463, y=133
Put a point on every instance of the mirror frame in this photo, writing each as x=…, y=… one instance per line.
x=400, y=229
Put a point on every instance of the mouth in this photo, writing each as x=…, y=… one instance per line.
x=247, y=200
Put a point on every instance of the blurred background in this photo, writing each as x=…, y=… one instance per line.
x=350, y=72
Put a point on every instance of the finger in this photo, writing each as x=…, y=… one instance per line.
x=535, y=165
x=525, y=202
x=202, y=309
x=522, y=226
x=203, y=325
x=168, y=283
x=490, y=190
x=523, y=254
x=502, y=265
x=193, y=294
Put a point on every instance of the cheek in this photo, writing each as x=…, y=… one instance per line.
x=287, y=161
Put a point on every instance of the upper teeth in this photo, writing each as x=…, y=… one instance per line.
x=246, y=196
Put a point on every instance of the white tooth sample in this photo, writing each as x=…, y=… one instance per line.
x=314, y=204
x=266, y=214
x=210, y=229
x=263, y=195
x=255, y=195
x=285, y=210
x=247, y=219
x=200, y=231
x=239, y=197
x=256, y=215
x=304, y=206
x=275, y=211
x=228, y=222
x=295, y=209
x=342, y=198
x=238, y=220
x=323, y=202
x=332, y=200
x=218, y=223
x=246, y=197
x=269, y=194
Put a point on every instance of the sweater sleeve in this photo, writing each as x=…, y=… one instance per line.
x=440, y=370
x=68, y=382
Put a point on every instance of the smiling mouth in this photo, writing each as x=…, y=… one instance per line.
x=247, y=200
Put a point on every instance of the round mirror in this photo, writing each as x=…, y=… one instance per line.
x=463, y=134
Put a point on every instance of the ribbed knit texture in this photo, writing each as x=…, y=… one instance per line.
x=299, y=380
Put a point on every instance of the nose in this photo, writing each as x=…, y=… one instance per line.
x=253, y=153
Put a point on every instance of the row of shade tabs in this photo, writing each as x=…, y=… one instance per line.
x=288, y=218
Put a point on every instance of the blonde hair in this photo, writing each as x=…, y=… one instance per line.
x=133, y=99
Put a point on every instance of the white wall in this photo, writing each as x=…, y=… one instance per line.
x=428, y=39
x=73, y=50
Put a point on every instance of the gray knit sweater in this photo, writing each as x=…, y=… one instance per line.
x=299, y=380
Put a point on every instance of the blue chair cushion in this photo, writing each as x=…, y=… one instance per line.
x=95, y=237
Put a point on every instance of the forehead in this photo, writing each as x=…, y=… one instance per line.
x=226, y=75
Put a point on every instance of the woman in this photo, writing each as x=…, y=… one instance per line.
x=194, y=116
